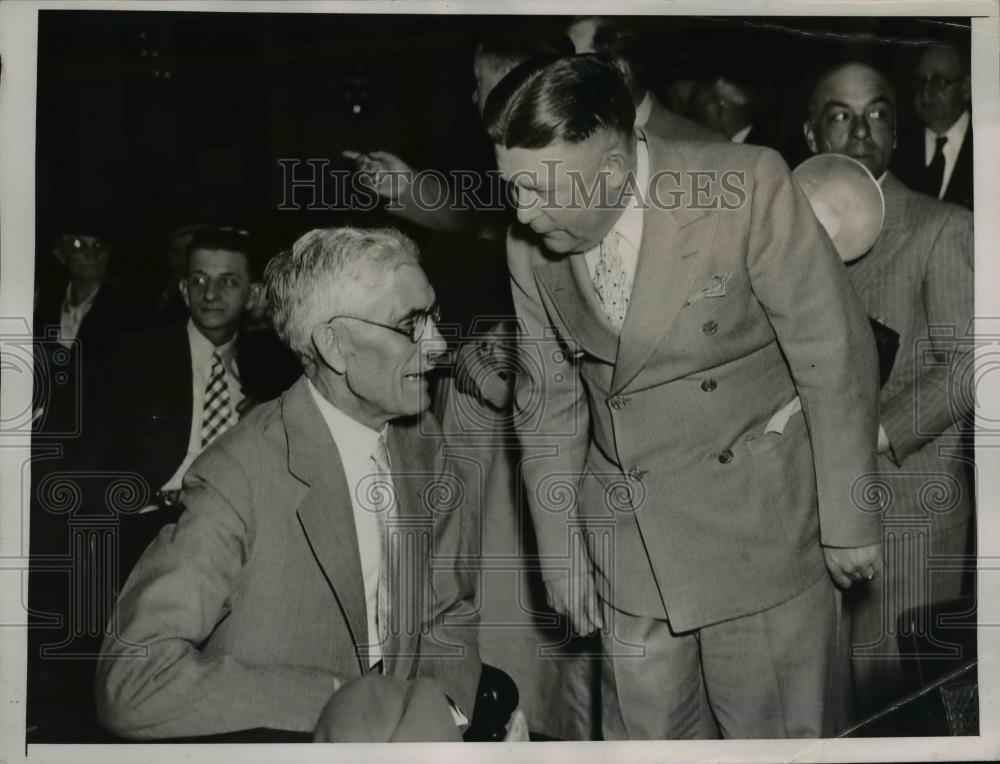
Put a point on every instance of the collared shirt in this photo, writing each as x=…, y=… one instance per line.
x=356, y=443
x=741, y=135
x=201, y=370
x=643, y=110
x=71, y=316
x=629, y=223
x=956, y=137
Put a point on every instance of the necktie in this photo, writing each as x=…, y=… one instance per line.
x=935, y=170
x=613, y=285
x=217, y=415
x=385, y=505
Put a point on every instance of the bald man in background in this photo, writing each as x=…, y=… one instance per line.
x=918, y=275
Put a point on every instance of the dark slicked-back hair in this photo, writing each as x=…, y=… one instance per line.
x=227, y=239
x=505, y=47
x=569, y=100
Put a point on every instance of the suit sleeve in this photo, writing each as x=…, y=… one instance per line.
x=153, y=680
x=824, y=334
x=551, y=418
x=940, y=393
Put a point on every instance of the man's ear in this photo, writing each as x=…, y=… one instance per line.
x=967, y=88
x=59, y=255
x=329, y=345
x=616, y=166
x=810, y=135
x=183, y=286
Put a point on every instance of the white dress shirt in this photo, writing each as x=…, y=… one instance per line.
x=201, y=370
x=71, y=316
x=956, y=137
x=629, y=223
x=741, y=135
x=643, y=110
x=356, y=443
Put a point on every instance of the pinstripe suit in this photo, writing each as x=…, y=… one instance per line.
x=917, y=279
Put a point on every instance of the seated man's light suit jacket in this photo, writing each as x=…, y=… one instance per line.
x=655, y=438
x=244, y=613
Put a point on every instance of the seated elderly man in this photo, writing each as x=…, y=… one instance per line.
x=302, y=558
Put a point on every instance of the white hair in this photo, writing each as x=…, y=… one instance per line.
x=309, y=284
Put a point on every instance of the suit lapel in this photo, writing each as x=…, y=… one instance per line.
x=325, y=512
x=674, y=244
x=176, y=385
x=568, y=285
x=410, y=476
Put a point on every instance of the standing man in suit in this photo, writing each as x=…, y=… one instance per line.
x=619, y=41
x=918, y=275
x=937, y=159
x=703, y=382
x=277, y=584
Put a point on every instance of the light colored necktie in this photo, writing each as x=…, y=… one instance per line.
x=613, y=285
x=217, y=413
x=385, y=507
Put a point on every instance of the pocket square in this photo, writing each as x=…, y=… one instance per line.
x=716, y=287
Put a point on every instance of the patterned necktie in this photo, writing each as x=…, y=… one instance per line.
x=935, y=170
x=385, y=506
x=613, y=285
x=217, y=415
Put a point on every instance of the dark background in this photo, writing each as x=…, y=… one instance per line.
x=151, y=120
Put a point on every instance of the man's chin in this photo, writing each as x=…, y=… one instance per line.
x=559, y=243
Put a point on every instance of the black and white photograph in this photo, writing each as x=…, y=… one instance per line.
x=570, y=379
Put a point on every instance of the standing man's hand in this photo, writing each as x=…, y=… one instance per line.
x=848, y=565
x=385, y=173
x=575, y=596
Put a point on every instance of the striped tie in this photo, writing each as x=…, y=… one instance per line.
x=217, y=415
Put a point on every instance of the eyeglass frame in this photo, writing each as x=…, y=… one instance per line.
x=413, y=334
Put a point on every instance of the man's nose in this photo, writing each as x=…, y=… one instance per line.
x=859, y=127
x=211, y=291
x=527, y=206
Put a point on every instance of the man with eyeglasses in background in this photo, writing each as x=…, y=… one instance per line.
x=277, y=586
x=917, y=279
x=165, y=394
x=937, y=159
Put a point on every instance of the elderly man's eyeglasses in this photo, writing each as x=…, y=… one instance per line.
x=413, y=328
x=937, y=83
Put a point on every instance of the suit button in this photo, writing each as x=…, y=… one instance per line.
x=636, y=474
x=709, y=385
x=726, y=456
x=710, y=327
